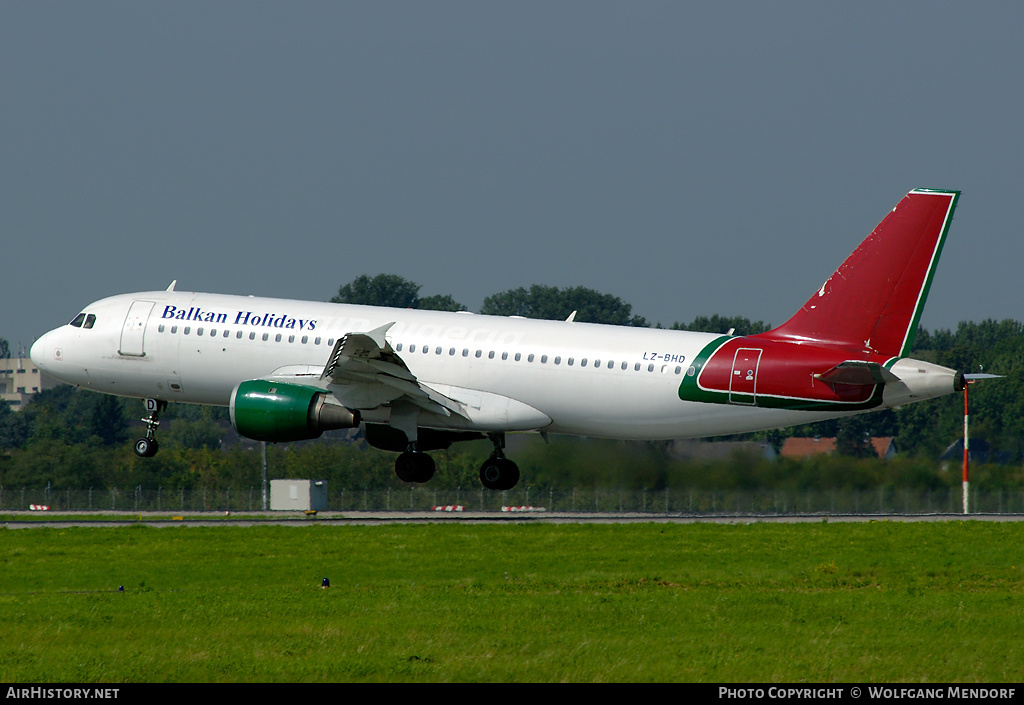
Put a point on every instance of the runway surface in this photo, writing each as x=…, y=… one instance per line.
x=31, y=520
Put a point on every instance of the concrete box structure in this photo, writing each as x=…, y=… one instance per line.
x=20, y=379
x=301, y=495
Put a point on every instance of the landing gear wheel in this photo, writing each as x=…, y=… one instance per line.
x=146, y=447
x=499, y=473
x=414, y=466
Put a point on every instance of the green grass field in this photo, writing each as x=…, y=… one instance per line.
x=826, y=602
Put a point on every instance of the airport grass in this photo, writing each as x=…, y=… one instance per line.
x=823, y=602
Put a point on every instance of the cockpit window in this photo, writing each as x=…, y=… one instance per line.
x=84, y=320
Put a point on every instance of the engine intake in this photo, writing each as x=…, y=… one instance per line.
x=282, y=412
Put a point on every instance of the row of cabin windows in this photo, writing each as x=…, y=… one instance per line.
x=425, y=349
x=278, y=338
x=570, y=361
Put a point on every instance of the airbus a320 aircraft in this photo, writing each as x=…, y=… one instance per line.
x=419, y=380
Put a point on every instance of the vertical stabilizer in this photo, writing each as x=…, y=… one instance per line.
x=874, y=300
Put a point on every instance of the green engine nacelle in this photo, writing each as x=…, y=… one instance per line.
x=279, y=412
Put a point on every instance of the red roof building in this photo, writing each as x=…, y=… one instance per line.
x=885, y=448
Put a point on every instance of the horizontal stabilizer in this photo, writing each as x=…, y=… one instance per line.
x=858, y=372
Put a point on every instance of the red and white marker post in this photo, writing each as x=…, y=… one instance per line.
x=968, y=380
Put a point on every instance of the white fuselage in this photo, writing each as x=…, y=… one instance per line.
x=512, y=374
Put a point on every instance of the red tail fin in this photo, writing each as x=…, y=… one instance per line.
x=874, y=300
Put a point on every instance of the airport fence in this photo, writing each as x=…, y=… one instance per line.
x=882, y=500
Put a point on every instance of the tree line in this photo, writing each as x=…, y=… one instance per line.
x=68, y=438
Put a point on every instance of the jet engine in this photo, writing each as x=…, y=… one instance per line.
x=282, y=412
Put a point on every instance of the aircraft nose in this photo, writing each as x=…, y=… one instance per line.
x=40, y=351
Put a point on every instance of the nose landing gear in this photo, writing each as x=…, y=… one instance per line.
x=147, y=447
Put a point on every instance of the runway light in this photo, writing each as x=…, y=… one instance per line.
x=326, y=583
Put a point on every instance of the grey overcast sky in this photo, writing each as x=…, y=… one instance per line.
x=690, y=158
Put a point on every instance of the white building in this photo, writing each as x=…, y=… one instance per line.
x=20, y=379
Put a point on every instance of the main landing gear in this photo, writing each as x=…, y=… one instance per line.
x=147, y=447
x=497, y=472
x=414, y=465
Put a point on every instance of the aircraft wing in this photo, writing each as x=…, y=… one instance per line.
x=364, y=372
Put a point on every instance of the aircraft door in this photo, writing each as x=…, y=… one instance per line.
x=134, y=332
x=743, y=381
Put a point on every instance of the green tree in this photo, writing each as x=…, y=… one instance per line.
x=853, y=437
x=997, y=409
x=5, y=349
x=106, y=419
x=552, y=303
x=723, y=324
x=381, y=290
x=440, y=303
x=393, y=291
x=201, y=433
x=15, y=427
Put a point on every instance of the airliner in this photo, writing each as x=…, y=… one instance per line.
x=417, y=381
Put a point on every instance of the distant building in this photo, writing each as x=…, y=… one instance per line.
x=20, y=379
x=885, y=448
